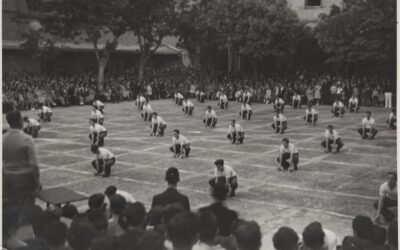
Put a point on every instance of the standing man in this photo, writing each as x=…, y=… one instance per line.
x=288, y=156
x=332, y=140
x=368, y=130
x=21, y=175
x=157, y=125
x=338, y=108
x=171, y=195
x=31, y=126
x=311, y=115
x=280, y=123
x=388, y=95
x=210, y=119
x=224, y=175
x=103, y=162
x=353, y=104
x=387, y=198
x=180, y=145
x=188, y=107
x=235, y=133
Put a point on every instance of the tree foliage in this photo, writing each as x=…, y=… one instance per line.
x=364, y=32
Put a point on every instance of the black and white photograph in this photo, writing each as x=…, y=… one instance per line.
x=199, y=125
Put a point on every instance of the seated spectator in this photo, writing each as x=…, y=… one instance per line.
x=379, y=238
x=155, y=218
x=224, y=215
x=151, y=240
x=208, y=231
x=55, y=235
x=171, y=195
x=133, y=217
x=315, y=237
x=80, y=234
x=352, y=243
x=248, y=235
x=393, y=239
x=99, y=223
x=285, y=239
x=96, y=203
x=117, y=206
x=107, y=243
x=182, y=231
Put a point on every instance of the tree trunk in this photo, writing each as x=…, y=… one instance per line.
x=102, y=64
x=142, y=63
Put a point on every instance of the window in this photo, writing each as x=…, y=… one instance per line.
x=313, y=3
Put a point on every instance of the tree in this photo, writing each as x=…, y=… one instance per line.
x=151, y=21
x=95, y=21
x=363, y=34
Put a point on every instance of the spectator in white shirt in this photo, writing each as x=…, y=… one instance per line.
x=317, y=238
x=311, y=116
x=279, y=104
x=223, y=101
x=103, y=162
x=31, y=126
x=210, y=119
x=157, y=125
x=286, y=239
x=280, y=123
x=180, y=145
x=224, y=175
x=235, y=133
x=296, y=101
x=353, y=104
x=246, y=111
x=387, y=198
x=188, y=107
x=97, y=133
x=392, y=121
x=338, y=108
x=288, y=156
x=208, y=232
x=332, y=140
x=368, y=130
x=147, y=111
x=45, y=114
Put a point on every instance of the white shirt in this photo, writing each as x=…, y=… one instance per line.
x=46, y=109
x=297, y=97
x=227, y=172
x=147, y=108
x=96, y=114
x=237, y=128
x=392, y=116
x=202, y=246
x=128, y=197
x=353, y=100
x=330, y=241
x=104, y=154
x=188, y=104
x=98, y=103
x=332, y=136
x=97, y=128
x=246, y=107
x=33, y=122
x=211, y=114
x=159, y=120
x=224, y=98
x=338, y=104
x=182, y=140
x=179, y=95
x=142, y=99
x=280, y=118
x=290, y=149
x=385, y=191
x=279, y=101
x=368, y=123
x=312, y=112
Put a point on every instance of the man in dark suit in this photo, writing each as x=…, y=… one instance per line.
x=171, y=195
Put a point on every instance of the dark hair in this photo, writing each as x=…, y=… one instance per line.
x=117, y=204
x=208, y=226
x=379, y=237
x=219, y=191
x=170, y=210
x=99, y=221
x=313, y=235
x=80, y=234
x=209, y=107
x=155, y=215
x=176, y=131
x=285, y=239
x=392, y=234
x=368, y=112
x=330, y=126
x=110, y=190
x=172, y=175
x=248, y=235
x=55, y=234
x=394, y=175
x=363, y=227
x=133, y=215
x=182, y=230
x=151, y=240
x=94, y=148
x=14, y=119
x=69, y=211
x=96, y=200
x=285, y=140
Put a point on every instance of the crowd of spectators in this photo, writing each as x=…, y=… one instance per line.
x=115, y=220
x=24, y=91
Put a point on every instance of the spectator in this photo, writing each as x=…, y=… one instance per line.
x=55, y=235
x=363, y=229
x=133, y=217
x=171, y=195
x=285, y=239
x=379, y=238
x=393, y=239
x=208, y=231
x=182, y=231
x=315, y=237
x=103, y=244
x=80, y=234
x=117, y=206
x=151, y=240
x=248, y=235
x=352, y=243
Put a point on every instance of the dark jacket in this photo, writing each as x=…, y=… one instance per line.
x=170, y=196
x=225, y=216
